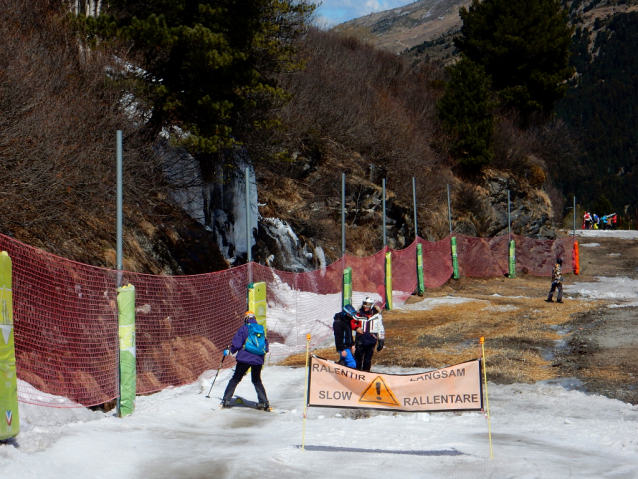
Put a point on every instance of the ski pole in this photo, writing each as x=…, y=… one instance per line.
x=220, y=366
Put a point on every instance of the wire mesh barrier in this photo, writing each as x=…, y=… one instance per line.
x=298, y=304
x=404, y=279
x=437, y=262
x=66, y=318
x=537, y=257
x=65, y=321
x=482, y=257
x=368, y=277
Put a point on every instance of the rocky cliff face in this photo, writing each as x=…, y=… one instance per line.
x=481, y=210
x=305, y=198
x=309, y=207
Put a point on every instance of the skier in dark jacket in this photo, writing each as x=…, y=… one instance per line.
x=343, y=336
x=245, y=361
x=557, y=282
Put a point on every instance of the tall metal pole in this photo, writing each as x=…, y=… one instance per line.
x=574, y=235
x=343, y=214
x=416, y=226
x=118, y=248
x=449, y=208
x=249, y=253
x=118, y=220
x=509, y=216
x=385, y=240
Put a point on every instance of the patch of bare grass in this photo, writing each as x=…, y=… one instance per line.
x=516, y=330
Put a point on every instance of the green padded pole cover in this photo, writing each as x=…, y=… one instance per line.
x=126, y=309
x=9, y=420
x=388, y=281
x=419, y=270
x=512, y=259
x=455, y=259
x=257, y=302
x=347, y=287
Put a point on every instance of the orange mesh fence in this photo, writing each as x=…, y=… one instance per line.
x=437, y=262
x=537, y=257
x=298, y=304
x=66, y=321
x=482, y=257
x=183, y=324
x=66, y=328
x=368, y=277
x=403, y=273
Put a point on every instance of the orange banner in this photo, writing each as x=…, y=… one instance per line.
x=455, y=388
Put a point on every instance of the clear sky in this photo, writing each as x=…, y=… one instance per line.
x=333, y=12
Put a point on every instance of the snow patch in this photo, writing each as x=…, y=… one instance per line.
x=632, y=304
x=430, y=303
x=623, y=234
x=502, y=308
x=621, y=288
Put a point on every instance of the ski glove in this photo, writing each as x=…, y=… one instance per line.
x=380, y=344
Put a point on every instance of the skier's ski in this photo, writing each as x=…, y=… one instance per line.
x=241, y=402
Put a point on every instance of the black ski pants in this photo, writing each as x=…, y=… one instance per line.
x=255, y=373
x=363, y=356
x=556, y=286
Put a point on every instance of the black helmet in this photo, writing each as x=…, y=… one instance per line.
x=559, y=261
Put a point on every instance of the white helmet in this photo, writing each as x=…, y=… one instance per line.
x=368, y=302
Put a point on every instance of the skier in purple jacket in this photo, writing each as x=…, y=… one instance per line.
x=245, y=361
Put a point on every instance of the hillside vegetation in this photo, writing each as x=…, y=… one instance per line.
x=59, y=111
x=597, y=111
x=372, y=114
x=331, y=104
x=600, y=110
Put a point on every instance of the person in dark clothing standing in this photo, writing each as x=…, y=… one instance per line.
x=369, y=334
x=343, y=335
x=557, y=283
x=246, y=360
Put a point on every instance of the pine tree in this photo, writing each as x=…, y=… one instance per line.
x=466, y=110
x=205, y=66
x=524, y=46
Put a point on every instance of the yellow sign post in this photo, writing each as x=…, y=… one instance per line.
x=487, y=401
x=305, y=406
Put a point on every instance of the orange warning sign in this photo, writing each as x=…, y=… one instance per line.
x=378, y=392
x=453, y=388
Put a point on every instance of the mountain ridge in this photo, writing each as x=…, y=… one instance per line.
x=405, y=27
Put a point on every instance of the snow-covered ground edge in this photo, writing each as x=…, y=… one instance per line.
x=537, y=430
x=622, y=234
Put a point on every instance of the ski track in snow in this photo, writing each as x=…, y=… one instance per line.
x=537, y=431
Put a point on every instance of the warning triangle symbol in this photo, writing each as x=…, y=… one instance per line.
x=378, y=392
x=6, y=332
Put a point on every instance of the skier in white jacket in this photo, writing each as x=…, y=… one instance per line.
x=370, y=333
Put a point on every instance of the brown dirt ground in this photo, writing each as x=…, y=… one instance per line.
x=526, y=339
